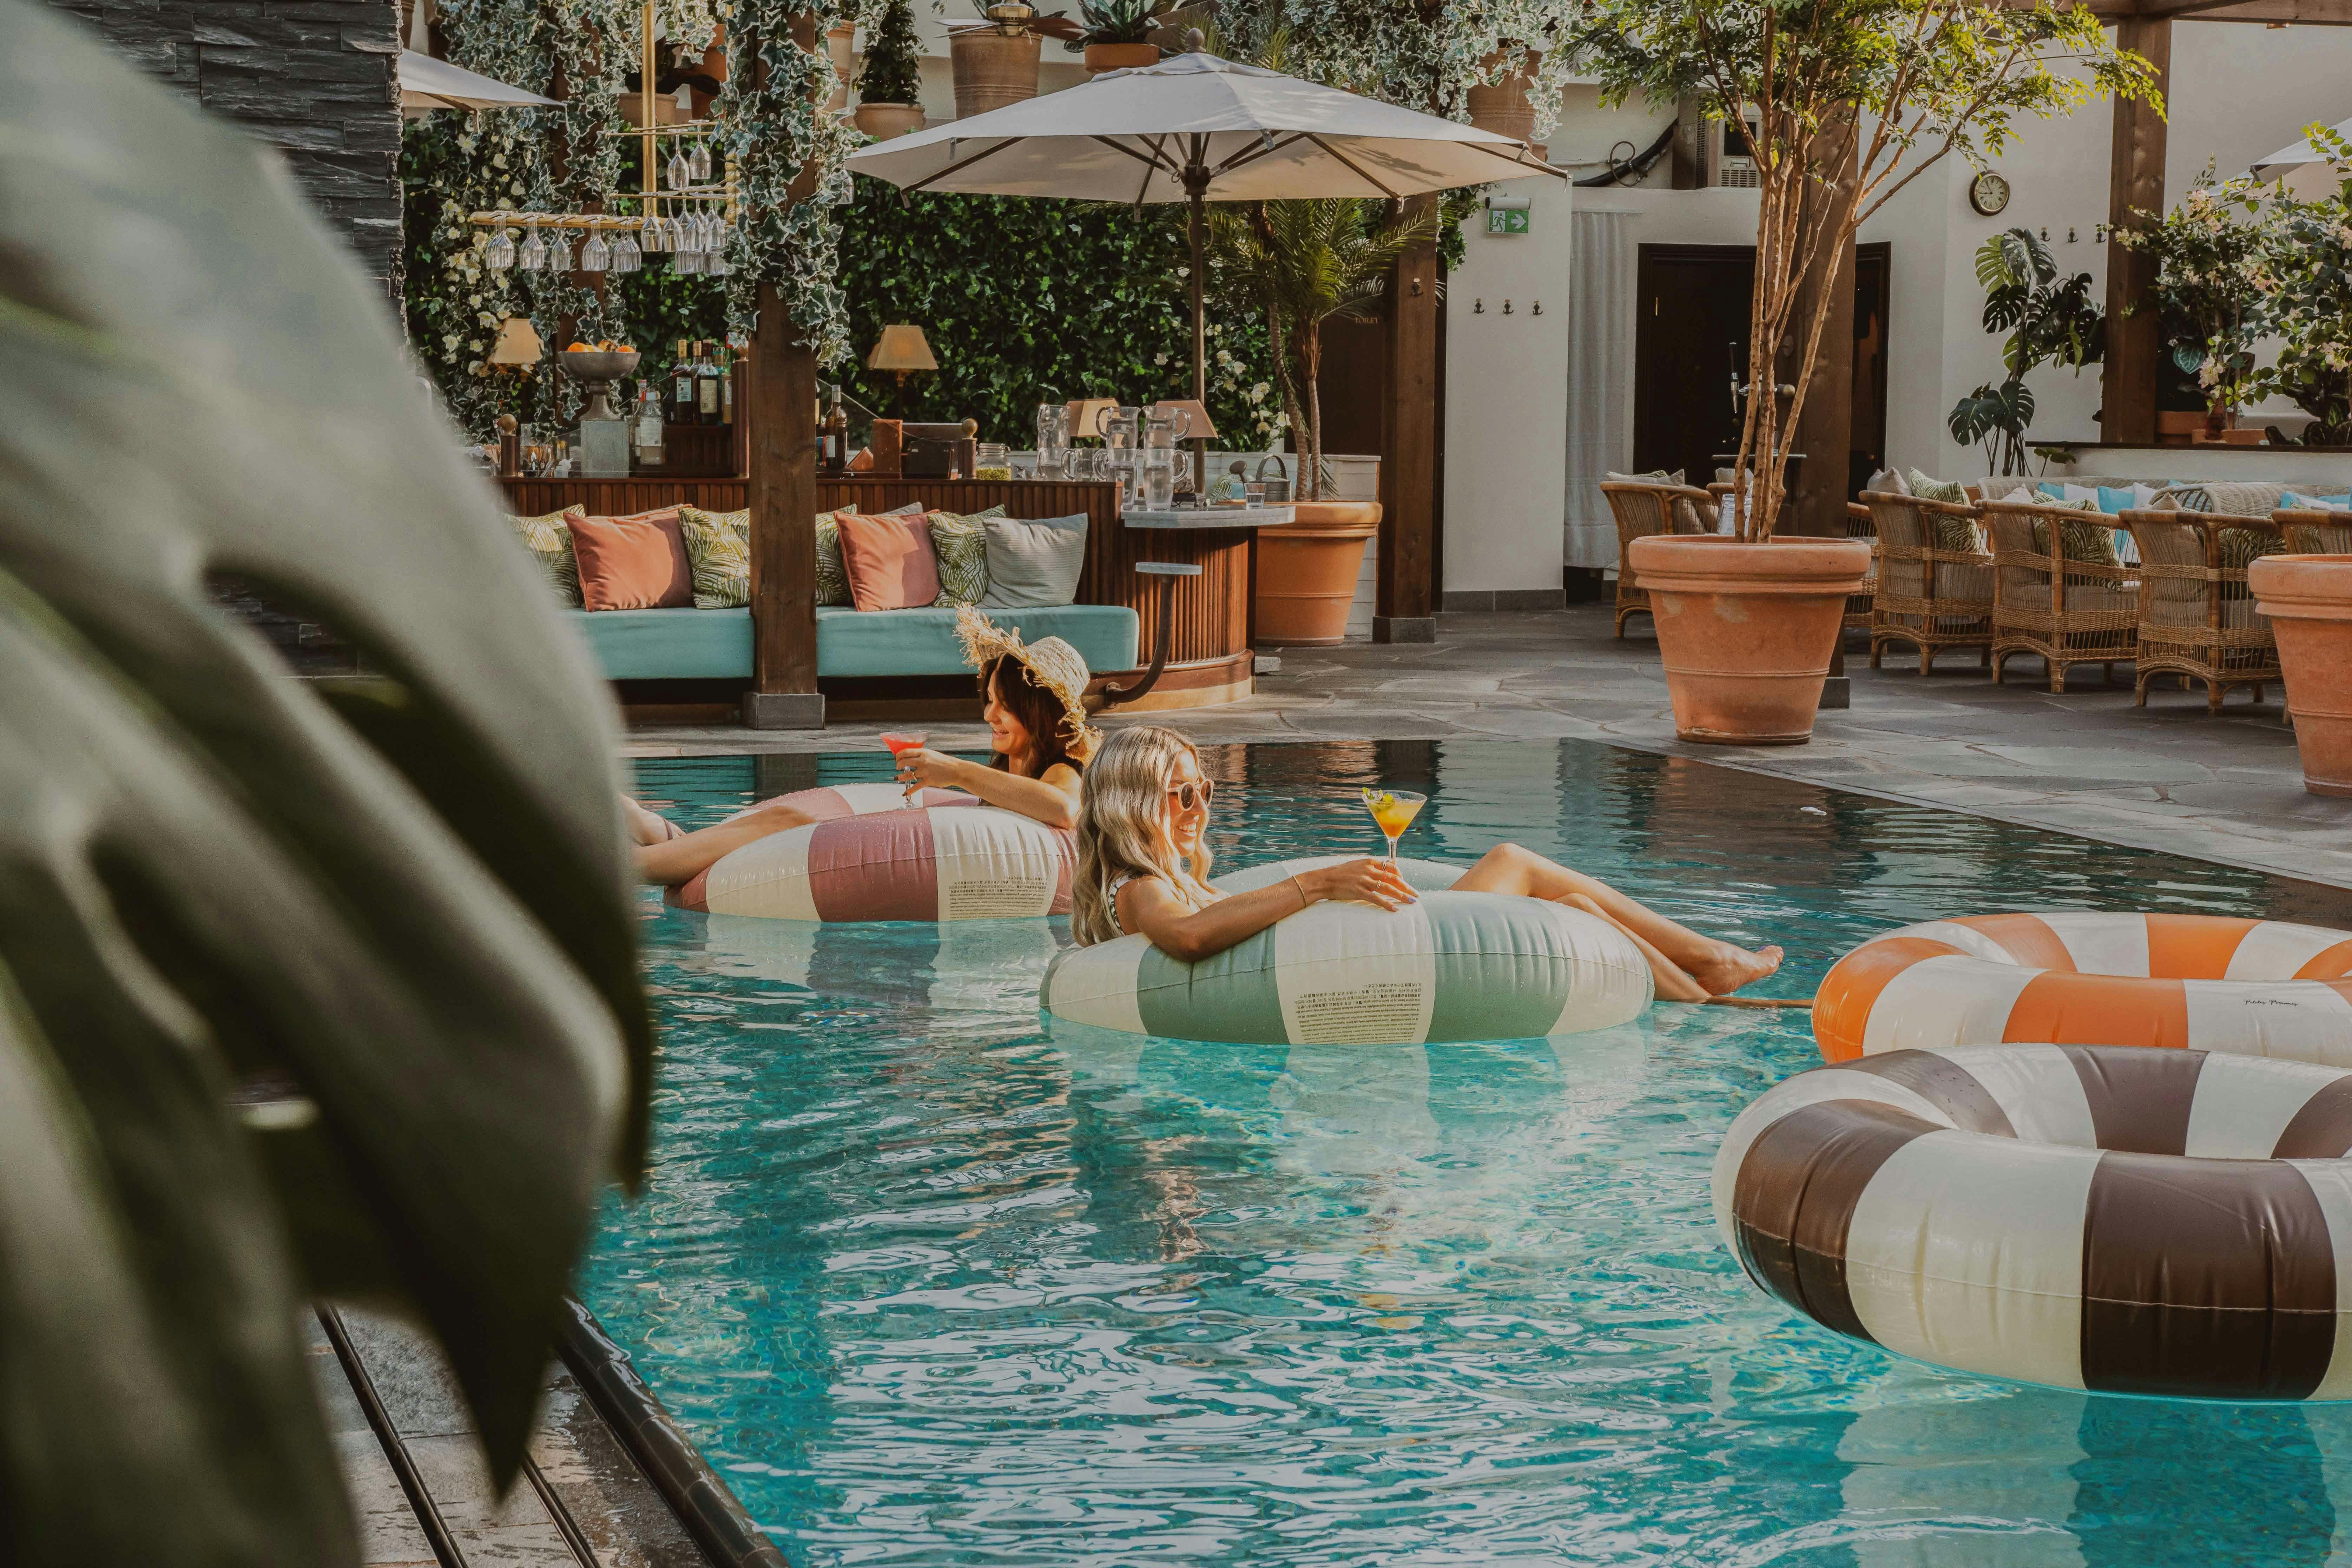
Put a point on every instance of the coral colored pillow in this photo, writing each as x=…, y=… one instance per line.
x=890, y=562
x=632, y=563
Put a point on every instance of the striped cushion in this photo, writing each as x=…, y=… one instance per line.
x=549, y=544
x=1450, y=966
x=718, y=551
x=2101, y=1217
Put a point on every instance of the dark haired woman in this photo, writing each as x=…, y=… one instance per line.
x=1036, y=727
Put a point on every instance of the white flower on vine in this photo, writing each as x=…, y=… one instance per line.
x=1159, y=358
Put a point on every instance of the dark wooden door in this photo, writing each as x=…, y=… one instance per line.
x=1691, y=303
x=1691, y=335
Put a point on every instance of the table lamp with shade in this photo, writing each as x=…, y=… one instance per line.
x=902, y=352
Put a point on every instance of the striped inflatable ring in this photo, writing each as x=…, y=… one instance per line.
x=1451, y=967
x=2258, y=988
x=2110, y=1217
x=871, y=857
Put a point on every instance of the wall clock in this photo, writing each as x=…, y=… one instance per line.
x=1989, y=193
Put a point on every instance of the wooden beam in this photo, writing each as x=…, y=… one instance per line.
x=2135, y=186
x=780, y=470
x=1404, y=608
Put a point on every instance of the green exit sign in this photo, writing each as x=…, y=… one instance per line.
x=1507, y=220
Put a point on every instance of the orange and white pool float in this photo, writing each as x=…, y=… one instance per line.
x=2256, y=988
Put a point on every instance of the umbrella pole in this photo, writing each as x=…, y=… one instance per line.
x=1200, y=310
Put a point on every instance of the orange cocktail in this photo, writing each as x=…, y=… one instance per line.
x=1394, y=810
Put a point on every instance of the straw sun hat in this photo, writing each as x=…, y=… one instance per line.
x=1051, y=663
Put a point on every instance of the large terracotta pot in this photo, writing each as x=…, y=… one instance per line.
x=1306, y=572
x=1502, y=106
x=840, y=48
x=1746, y=629
x=1101, y=57
x=992, y=69
x=884, y=120
x=2309, y=599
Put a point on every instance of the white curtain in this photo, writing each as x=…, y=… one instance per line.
x=1600, y=379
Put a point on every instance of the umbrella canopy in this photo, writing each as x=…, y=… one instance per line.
x=1195, y=127
x=427, y=84
x=2300, y=168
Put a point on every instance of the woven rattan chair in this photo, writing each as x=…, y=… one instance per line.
x=1861, y=603
x=1641, y=509
x=2197, y=616
x=2316, y=532
x=2046, y=602
x=1931, y=598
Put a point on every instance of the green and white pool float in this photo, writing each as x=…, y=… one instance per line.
x=1450, y=966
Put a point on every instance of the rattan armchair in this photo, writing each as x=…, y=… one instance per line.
x=1641, y=509
x=2049, y=600
x=1930, y=597
x=1862, y=601
x=2316, y=532
x=2197, y=616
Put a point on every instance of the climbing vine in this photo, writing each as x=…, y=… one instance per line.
x=1428, y=54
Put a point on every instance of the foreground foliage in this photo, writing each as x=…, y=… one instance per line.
x=396, y=910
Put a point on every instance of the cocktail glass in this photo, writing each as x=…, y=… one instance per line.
x=901, y=741
x=1394, y=810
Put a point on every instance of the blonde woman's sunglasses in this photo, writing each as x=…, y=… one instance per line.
x=1191, y=796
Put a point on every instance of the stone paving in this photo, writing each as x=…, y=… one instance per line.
x=2087, y=761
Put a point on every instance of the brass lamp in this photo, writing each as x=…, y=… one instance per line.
x=1198, y=426
x=1082, y=415
x=902, y=352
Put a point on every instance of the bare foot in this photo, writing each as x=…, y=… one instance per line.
x=1733, y=967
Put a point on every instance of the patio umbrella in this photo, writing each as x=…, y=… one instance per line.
x=1197, y=128
x=2299, y=167
x=427, y=84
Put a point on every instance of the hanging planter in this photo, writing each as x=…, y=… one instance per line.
x=992, y=68
x=1501, y=105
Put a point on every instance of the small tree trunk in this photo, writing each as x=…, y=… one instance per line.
x=1311, y=349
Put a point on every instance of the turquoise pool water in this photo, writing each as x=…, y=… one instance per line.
x=933, y=1283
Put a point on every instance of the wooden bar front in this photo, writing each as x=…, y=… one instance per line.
x=1210, y=656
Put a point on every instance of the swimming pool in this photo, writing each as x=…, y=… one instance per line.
x=930, y=1282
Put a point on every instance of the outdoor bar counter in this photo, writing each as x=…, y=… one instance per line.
x=1209, y=656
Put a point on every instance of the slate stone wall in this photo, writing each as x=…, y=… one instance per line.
x=318, y=78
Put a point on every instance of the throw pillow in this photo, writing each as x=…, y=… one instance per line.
x=1887, y=481
x=719, y=552
x=1655, y=476
x=962, y=544
x=549, y=544
x=1033, y=563
x=832, y=582
x=632, y=563
x=889, y=561
x=2238, y=547
x=2089, y=543
x=1926, y=488
x=1945, y=531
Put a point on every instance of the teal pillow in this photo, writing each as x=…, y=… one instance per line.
x=2294, y=501
x=2112, y=499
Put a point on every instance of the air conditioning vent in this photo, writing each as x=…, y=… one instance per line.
x=1733, y=165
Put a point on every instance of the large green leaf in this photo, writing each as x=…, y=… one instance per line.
x=408, y=896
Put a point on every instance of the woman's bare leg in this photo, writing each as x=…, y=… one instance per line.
x=1717, y=966
x=646, y=826
x=681, y=859
x=1672, y=984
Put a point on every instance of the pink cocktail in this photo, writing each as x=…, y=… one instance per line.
x=903, y=740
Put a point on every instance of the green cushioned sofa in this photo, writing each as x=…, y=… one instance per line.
x=716, y=645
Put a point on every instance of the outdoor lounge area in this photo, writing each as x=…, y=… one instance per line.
x=1241, y=784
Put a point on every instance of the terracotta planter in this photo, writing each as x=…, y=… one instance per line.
x=992, y=69
x=1306, y=572
x=1101, y=57
x=839, y=47
x=884, y=120
x=2309, y=599
x=1746, y=630
x=1502, y=106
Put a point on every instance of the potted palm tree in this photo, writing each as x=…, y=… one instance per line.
x=1841, y=104
x=995, y=58
x=890, y=88
x=1304, y=263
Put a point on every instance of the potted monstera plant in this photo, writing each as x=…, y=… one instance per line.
x=890, y=88
x=1840, y=110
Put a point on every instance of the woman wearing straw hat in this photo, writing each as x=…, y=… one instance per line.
x=1037, y=726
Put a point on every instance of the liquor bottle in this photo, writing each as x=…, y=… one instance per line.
x=706, y=385
x=649, y=422
x=681, y=386
x=832, y=437
x=727, y=383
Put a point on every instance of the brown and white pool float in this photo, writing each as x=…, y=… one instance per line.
x=870, y=856
x=2124, y=1219
x=2262, y=988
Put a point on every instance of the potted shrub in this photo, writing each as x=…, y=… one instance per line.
x=2207, y=248
x=1116, y=35
x=1304, y=263
x=995, y=59
x=1841, y=103
x=840, y=48
x=890, y=88
x=1498, y=100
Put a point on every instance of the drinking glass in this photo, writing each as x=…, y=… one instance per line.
x=901, y=741
x=1393, y=810
x=533, y=256
x=627, y=257
x=675, y=171
x=500, y=254
x=698, y=162
x=596, y=256
x=1159, y=482
x=559, y=251
x=1180, y=470
x=686, y=261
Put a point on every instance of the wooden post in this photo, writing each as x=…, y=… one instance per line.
x=780, y=470
x=1405, y=607
x=1824, y=431
x=2135, y=185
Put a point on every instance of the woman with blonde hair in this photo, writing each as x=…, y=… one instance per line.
x=1143, y=868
